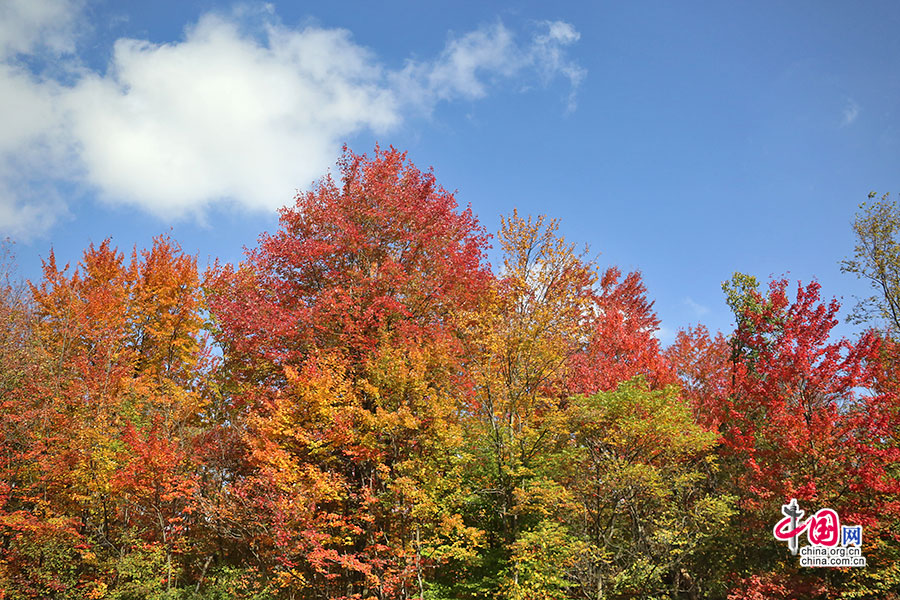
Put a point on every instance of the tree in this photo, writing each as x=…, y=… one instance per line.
x=651, y=522
x=805, y=419
x=341, y=343
x=116, y=351
x=622, y=343
x=39, y=542
x=702, y=364
x=550, y=327
x=520, y=341
x=876, y=258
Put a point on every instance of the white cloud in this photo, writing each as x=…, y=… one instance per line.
x=850, y=113
x=221, y=116
x=27, y=25
x=33, y=144
x=239, y=111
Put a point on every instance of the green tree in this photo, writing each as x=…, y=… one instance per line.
x=876, y=258
x=650, y=517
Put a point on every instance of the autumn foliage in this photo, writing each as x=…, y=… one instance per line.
x=365, y=408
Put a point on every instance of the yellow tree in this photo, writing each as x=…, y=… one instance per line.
x=536, y=318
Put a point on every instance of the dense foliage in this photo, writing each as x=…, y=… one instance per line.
x=363, y=408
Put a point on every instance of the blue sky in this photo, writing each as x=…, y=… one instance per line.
x=687, y=140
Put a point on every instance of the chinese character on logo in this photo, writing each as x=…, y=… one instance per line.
x=851, y=535
x=787, y=528
x=824, y=528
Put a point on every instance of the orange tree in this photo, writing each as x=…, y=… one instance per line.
x=115, y=357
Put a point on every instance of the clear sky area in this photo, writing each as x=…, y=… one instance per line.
x=687, y=140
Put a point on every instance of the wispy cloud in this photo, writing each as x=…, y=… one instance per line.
x=469, y=64
x=698, y=309
x=850, y=113
x=243, y=110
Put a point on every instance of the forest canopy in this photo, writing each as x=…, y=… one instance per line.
x=365, y=408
